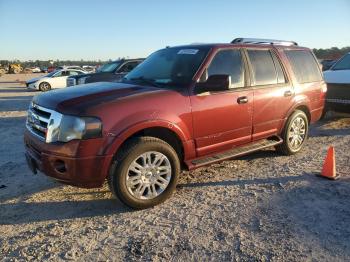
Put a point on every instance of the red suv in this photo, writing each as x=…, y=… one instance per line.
x=182, y=108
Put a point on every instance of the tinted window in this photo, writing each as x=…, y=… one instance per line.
x=228, y=62
x=108, y=68
x=263, y=67
x=128, y=67
x=65, y=73
x=58, y=74
x=343, y=63
x=74, y=73
x=304, y=66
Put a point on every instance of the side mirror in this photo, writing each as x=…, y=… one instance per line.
x=214, y=83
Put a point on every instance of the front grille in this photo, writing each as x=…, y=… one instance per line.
x=338, y=91
x=38, y=120
x=71, y=82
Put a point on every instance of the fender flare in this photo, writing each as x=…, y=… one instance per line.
x=303, y=102
x=116, y=140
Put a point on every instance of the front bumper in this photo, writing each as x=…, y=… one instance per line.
x=31, y=86
x=59, y=162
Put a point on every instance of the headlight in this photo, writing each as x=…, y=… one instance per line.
x=72, y=127
x=81, y=80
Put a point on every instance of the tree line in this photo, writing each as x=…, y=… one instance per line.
x=331, y=53
x=327, y=53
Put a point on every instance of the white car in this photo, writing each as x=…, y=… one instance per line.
x=35, y=69
x=340, y=72
x=338, y=86
x=55, y=79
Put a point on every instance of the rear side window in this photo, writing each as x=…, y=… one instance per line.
x=266, y=68
x=304, y=66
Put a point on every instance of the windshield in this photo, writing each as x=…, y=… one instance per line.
x=108, y=68
x=173, y=66
x=52, y=73
x=343, y=63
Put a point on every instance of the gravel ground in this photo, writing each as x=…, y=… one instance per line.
x=262, y=207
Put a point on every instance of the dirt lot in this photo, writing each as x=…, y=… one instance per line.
x=263, y=207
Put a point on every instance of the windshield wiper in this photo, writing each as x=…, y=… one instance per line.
x=149, y=81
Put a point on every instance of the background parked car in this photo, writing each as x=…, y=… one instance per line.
x=54, y=68
x=35, y=69
x=55, y=79
x=90, y=69
x=327, y=63
x=109, y=72
x=338, y=86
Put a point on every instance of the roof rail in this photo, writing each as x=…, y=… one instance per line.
x=262, y=41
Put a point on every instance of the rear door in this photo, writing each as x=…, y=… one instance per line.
x=273, y=92
x=223, y=119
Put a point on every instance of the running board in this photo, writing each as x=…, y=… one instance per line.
x=238, y=151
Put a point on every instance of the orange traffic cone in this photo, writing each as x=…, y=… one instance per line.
x=328, y=170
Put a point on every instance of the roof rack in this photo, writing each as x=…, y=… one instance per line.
x=262, y=41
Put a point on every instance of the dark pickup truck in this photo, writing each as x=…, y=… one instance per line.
x=110, y=72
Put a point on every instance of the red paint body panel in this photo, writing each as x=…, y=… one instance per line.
x=205, y=124
x=219, y=122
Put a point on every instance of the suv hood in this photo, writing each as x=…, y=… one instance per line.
x=33, y=80
x=77, y=100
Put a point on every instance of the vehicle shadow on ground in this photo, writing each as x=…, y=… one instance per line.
x=24, y=211
x=15, y=103
x=16, y=90
x=28, y=212
x=255, y=181
x=11, y=82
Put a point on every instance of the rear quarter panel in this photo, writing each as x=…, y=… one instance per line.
x=309, y=95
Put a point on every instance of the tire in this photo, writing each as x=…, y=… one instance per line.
x=44, y=86
x=292, y=144
x=145, y=189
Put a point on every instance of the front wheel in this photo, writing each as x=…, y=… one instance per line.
x=44, y=86
x=294, y=134
x=145, y=172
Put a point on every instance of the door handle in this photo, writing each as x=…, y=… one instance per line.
x=288, y=93
x=242, y=100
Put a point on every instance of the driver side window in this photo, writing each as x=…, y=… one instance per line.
x=227, y=62
x=126, y=68
x=58, y=74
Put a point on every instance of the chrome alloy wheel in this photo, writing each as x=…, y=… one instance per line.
x=45, y=86
x=297, y=133
x=148, y=175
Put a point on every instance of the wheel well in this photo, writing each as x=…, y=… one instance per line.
x=306, y=111
x=164, y=134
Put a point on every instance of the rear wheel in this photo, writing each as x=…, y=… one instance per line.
x=294, y=134
x=44, y=86
x=144, y=173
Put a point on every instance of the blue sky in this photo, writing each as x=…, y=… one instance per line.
x=104, y=29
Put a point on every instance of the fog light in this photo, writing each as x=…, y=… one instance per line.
x=60, y=166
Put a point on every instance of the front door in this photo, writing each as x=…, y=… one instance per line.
x=59, y=80
x=222, y=120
